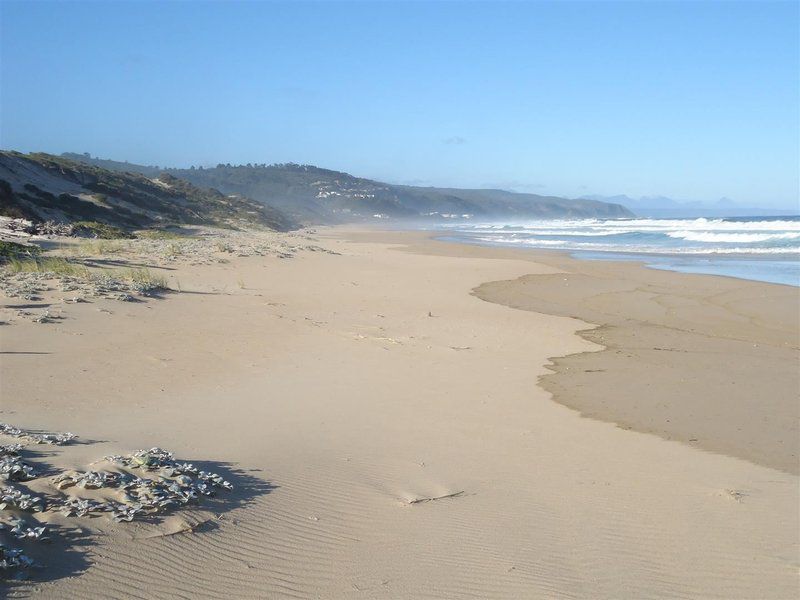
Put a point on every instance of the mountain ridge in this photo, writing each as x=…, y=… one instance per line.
x=317, y=195
x=665, y=207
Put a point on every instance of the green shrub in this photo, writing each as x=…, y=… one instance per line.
x=14, y=250
x=160, y=234
x=99, y=230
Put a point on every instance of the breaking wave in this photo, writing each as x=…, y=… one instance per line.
x=659, y=236
x=763, y=240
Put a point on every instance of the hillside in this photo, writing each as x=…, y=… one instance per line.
x=317, y=195
x=43, y=187
x=113, y=165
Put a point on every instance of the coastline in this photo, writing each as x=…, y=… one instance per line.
x=681, y=359
x=386, y=435
x=707, y=360
x=648, y=260
x=763, y=255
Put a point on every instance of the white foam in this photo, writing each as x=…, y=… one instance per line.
x=645, y=249
x=637, y=225
x=733, y=237
x=652, y=236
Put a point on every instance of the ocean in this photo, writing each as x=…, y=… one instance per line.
x=755, y=248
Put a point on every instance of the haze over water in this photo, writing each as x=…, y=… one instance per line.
x=757, y=248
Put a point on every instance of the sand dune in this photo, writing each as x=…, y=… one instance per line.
x=336, y=390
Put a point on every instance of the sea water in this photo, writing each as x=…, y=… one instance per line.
x=756, y=248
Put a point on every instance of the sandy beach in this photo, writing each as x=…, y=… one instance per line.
x=407, y=418
x=710, y=361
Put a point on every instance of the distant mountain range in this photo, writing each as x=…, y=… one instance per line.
x=283, y=196
x=661, y=206
x=314, y=195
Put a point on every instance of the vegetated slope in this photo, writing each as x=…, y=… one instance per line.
x=114, y=165
x=311, y=193
x=45, y=187
x=318, y=195
x=305, y=192
x=505, y=203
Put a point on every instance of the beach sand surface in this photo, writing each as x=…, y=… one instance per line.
x=388, y=437
x=710, y=361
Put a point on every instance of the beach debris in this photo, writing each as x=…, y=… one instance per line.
x=184, y=527
x=159, y=459
x=12, y=560
x=36, y=437
x=43, y=317
x=79, y=507
x=23, y=228
x=139, y=495
x=13, y=498
x=10, y=225
x=53, y=228
x=125, y=512
x=10, y=449
x=158, y=484
x=434, y=498
x=178, y=484
x=13, y=468
x=56, y=439
x=22, y=531
x=90, y=480
x=154, y=458
x=737, y=495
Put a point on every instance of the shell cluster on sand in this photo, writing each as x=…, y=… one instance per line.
x=159, y=483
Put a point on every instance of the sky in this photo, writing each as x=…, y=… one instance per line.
x=690, y=100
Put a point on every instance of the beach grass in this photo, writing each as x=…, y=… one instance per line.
x=145, y=278
x=99, y=247
x=161, y=234
x=55, y=265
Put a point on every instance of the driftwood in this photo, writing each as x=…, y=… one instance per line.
x=432, y=499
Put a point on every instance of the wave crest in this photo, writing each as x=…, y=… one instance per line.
x=733, y=237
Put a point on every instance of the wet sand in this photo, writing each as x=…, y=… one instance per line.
x=705, y=360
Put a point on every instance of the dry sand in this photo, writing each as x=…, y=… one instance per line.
x=335, y=391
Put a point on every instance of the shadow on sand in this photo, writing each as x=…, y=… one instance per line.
x=69, y=548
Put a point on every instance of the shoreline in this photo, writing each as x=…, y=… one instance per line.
x=385, y=433
x=723, y=392
x=752, y=412
x=634, y=257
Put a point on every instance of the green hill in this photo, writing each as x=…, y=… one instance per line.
x=315, y=195
x=45, y=187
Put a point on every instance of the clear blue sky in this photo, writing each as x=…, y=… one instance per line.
x=687, y=99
